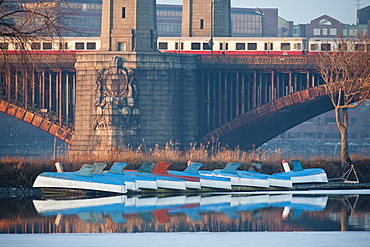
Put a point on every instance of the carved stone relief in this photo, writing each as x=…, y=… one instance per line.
x=116, y=93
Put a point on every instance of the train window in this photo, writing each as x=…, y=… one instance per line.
x=297, y=46
x=342, y=47
x=35, y=46
x=63, y=46
x=252, y=46
x=285, y=46
x=359, y=47
x=4, y=45
x=314, y=47
x=79, y=46
x=325, y=47
x=176, y=45
x=206, y=46
x=19, y=46
x=91, y=46
x=47, y=46
x=195, y=46
x=240, y=46
x=163, y=46
x=182, y=46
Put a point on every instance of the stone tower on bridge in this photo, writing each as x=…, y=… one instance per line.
x=201, y=18
x=128, y=93
x=129, y=25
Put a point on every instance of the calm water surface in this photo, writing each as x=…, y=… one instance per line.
x=211, y=213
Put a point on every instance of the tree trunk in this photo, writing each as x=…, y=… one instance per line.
x=343, y=126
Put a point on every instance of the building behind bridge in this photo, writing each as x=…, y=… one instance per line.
x=245, y=22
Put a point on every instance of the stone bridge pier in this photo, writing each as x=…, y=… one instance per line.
x=133, y=99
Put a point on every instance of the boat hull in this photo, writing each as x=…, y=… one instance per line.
x=68, y=183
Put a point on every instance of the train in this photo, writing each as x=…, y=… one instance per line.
x=242, y=46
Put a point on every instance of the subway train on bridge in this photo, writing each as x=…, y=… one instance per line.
x=241, y=46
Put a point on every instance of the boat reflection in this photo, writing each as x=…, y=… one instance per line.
x=162, y=209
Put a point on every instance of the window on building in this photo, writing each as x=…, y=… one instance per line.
x=294, y=135
x=206, y=46
x=309, y=135
x=325, y=22
x=163, y=46
x=333, y=31
x=123, y=12
x=201, y=24
x=121, y=46
x=316, y=31
x=353, y=121
x=91, y=46
x=353, y=136
x=330, y=120
x=332, y=135
x=195, y=46
x=35, y=46
x=252, y=46
x=79, y=46
x=47, y=46
x=324, y=31
x=240, y=46
x=285, y=46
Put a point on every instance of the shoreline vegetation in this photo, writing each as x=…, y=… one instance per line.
x=20, y=172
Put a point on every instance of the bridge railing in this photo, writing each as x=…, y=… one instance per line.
x=237, y=59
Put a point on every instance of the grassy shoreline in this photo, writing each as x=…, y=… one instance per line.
x=19, y=171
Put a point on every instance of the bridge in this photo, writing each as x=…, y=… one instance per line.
x=243, y=101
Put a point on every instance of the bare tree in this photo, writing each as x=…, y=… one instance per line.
x=345, y=68
x=21, y=21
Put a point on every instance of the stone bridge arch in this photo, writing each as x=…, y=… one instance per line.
x=38, y=121
x=255, y=127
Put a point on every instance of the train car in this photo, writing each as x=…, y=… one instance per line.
x=234, y=45
x=51, y=45
x=322, y=45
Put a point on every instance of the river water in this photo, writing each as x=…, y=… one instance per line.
x=279, y=212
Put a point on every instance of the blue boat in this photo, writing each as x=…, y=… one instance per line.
x=205, y=181
x=84, y=179
x=162, y=181
x=302, y=176
x=116, y=171
x=274, y=181
x=238, y=179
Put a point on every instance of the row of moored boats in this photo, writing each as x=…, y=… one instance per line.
x=153, y=177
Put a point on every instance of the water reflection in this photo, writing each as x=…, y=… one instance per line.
x=285, y=212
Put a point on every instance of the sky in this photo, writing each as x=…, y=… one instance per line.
x=302, y=11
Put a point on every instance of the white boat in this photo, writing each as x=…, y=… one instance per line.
x=205, y=181
x=302, y=176
x=163, y=182
x=274, y=181
x=238, y=179
x=84, y=179
x=116, y=171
